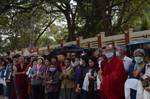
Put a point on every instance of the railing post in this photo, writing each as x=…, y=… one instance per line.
x=113, y=43
x=89, y=46
x=61, y=43
x=37, y=50
x=22, y=51
x=127, y=35
x=78, y=41
x=146, y=36
x=100, y=38
x=49, y=47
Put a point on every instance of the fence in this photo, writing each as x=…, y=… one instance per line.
x=98, y=41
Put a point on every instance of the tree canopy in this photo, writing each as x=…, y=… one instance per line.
x=35, y=23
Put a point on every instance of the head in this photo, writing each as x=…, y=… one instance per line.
x=108, y=51
x=77, y=61
x=34, y=62
x=83, y=60
x=21, y=59
x=92, y=62
x=14, y=61
x=120, y=51
x=61, y=58
x=40, y=60
x=9, y=60
x=73, y=56
x=47, y=62
x=2, y=62
x=68, y=55
x=97, y=53
x=53, y=60
x=139, y=56
x=67, y=62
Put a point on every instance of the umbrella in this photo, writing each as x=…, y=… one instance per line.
x=66, y=49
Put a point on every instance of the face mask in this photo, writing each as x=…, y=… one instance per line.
x=109, y=55
x=52, y=69
x=139, y=59
x=118, y=53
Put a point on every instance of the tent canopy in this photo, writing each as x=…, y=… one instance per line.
x=140, y=41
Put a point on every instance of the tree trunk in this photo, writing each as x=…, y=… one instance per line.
x=71, y=26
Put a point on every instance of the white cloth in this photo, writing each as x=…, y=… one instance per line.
x=146, y=75
x=146, y=94
x=147, y=72
x=98, y=83
x=86, y=82
x=136, y=85
x=29, y=72
x=127, y=61
x=2, y=81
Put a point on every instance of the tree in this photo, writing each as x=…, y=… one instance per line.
x=33, y=22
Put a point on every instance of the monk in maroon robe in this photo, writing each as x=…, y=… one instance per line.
x=113, y=76
x=20, y=81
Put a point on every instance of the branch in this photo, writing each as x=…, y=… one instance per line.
x=133, y=12
x=19, y=6
x=51, y=11
x=51, y=22
x=59, y=7
x=122, y=12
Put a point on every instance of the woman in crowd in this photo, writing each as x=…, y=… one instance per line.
x=146, y=79
x=37, y=79
x=78, y=75
x=89, y=87
x=54, y=61
x=67, y=90
x=136, y=71
x=8, y=73
x=52, y=80
x=32, y=62
x=2, y=77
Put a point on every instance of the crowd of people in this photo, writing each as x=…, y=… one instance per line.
x=106, y=73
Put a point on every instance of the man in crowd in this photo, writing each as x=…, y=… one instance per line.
x=113, y=75
x=121, y=53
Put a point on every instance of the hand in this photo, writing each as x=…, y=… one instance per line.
x=147, y=89
x=91, y=77
x=101, y=79
x=23, y=72
x=100, y=71
x=49, y=82
x=7, y=80
x=141, y=74
x=38, y=76
x=78, y=90
x=64, y=73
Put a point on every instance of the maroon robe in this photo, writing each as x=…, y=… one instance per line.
x=113, y=76
x=21, y=84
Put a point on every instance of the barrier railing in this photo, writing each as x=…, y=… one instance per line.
x=98, y=41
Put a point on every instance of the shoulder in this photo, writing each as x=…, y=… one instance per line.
x=33, y=67
x=128, y=58
x=117, y=60
x=131, y=67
